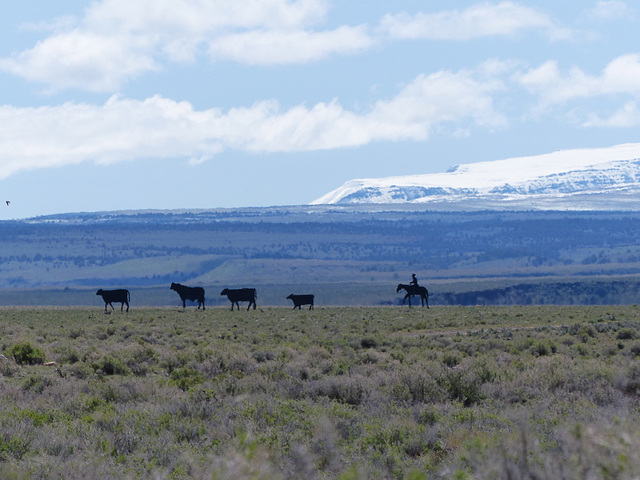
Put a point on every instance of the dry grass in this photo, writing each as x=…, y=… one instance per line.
x=347, y=393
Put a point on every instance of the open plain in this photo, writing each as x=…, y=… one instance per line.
x=341, y=392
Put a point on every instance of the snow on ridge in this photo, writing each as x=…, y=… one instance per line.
x=521, y=175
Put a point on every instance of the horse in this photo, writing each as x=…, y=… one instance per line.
x=414, y=290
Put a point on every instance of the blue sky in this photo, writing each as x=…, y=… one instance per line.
x=113, y=104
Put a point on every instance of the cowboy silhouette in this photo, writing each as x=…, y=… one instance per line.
x=414, y=280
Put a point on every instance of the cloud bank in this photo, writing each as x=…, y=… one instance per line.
x=118, y=40
x=124, y=129
x=115, y=41
x=483, y=20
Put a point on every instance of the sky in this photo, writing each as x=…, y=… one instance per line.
x=184, y=104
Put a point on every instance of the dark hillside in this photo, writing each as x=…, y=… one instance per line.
x=504, y=257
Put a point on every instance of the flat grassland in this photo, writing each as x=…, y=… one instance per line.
x=535, y=392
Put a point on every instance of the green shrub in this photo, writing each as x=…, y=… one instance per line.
x=26, y=354
x=462, y=388
x=626, y=334
x=368, y=342
x=341, y=389
x=14, y=447
x=185, y=378
x=450, y=360
x=635, y=350
x=110, y=365
x=262, y=357
x=36, y=383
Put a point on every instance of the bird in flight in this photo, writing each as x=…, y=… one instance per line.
x=7, y=202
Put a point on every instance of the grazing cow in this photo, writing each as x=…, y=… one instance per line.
x=299, y=300
x=241, y=295
x=189, y=293
x=109, y=296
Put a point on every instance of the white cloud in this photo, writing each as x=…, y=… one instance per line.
x=627, y=116
x=202, y=16
x=82, y=60
x=126, y=129
x=435, y=99
x=610, y=10
x=116, y=131
x=117, y=40
x=482, y=20
x=273, y=47
x=619, y=77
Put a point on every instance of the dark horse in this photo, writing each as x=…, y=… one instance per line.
x=414, y=290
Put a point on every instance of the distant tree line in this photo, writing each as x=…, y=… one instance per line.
x=91, y=247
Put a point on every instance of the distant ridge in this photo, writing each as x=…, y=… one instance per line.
x=580, y=179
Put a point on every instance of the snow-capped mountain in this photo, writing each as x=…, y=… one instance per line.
x=582, y=179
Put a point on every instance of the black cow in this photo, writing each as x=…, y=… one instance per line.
x=241, y=295
x=109, y=296
x=189, y=293
x=299, y=300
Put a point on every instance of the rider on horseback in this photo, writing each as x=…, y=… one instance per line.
x=414, y=289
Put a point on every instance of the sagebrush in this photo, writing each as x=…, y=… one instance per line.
x=346, y=393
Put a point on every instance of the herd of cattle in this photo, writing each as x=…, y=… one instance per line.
x=237, y=295
x=194, y=294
